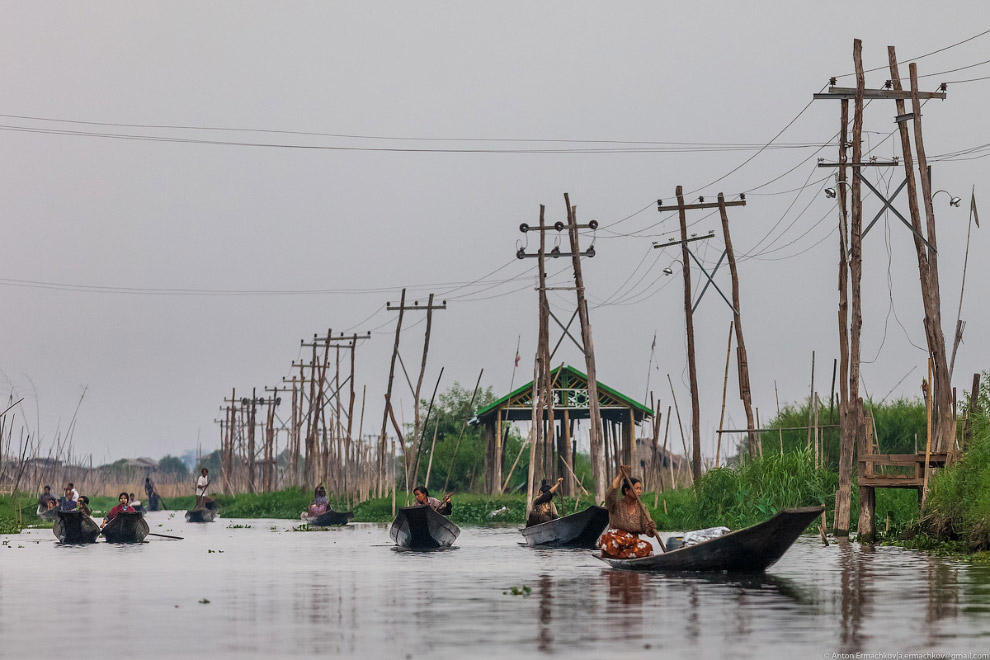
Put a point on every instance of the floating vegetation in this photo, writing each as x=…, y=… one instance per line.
x=202, y=601
x=523, y=591
x=238, y=526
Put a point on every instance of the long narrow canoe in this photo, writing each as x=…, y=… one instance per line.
x=47, y=514
x=202, y=515
x=330, y=518
x=75, y=527
x=422, y=528
x=751, y=549
x=578, y=530
x=127, y=527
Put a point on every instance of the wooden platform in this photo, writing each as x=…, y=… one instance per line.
x=868, y=469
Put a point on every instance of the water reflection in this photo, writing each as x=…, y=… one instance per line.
x=347, y=593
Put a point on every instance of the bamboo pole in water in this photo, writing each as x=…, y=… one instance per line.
x=725, y=389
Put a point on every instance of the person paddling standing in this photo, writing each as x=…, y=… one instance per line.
x=202, y=487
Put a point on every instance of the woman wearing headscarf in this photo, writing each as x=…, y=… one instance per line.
x=543, y=507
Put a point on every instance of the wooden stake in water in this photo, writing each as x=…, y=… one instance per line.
x=725, y=387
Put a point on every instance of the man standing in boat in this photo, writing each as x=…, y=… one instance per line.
x=202, y=487
x=124, y=506
x=423, y=498
x=543, y=508
x=628, y=519
x=149, y=490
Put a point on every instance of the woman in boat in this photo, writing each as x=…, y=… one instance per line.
x=423, y=498
x=320, y=502
x=543, y=507
x=627, y=519
x=120, y=508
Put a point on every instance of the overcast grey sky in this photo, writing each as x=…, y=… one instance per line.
x=132, y=267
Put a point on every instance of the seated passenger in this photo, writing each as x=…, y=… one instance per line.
x=423, y=499
x=66, y=503
x=83, y=506
x=628, y=519
x=45, y=498
x=320, y=502
x=135, y=502
x=123, y=507
x=543, y=507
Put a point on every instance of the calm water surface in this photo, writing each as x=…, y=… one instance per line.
x=347, y=592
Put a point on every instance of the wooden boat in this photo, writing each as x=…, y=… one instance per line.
x=202, y=514
x=578, y=530
x=330, y=518
x=422, y=528
x=75, y=527
x=127, y=527
x=47, y=515
x=751, y=549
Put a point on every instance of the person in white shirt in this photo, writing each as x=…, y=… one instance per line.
x=202, y=487
x=75, y=493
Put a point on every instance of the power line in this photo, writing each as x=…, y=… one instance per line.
x=921, y=57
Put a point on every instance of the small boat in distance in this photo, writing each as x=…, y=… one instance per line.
x=75, y=527
x=751, y=549
x=127, y=527
x=422, y=528
x=330, y=518
x=202, y=514
x=578, y=530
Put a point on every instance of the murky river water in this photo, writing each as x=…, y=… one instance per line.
x=347, y=592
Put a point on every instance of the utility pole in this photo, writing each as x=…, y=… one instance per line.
x=542, y=449
x=850, y=403
x=388, y=397
x=742, y=361
x=597, y=463
x=249, y=407
x=346, y=342
x=686, y=255
x=402, y=308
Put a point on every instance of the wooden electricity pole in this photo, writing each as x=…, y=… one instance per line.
x=597, y=465
x=742, y=362
x=852, y=417
x=402, y=308
x=686, y=257
x=382, y=438
x=543, y=433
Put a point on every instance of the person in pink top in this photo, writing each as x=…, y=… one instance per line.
x=120, y=508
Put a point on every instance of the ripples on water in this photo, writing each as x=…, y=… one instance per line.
x=348, y=593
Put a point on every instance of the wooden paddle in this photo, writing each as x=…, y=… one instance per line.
x=166, y=536
x=642, y=507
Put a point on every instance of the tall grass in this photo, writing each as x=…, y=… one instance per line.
x=959, y=496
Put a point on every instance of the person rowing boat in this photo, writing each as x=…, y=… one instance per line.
x=123, y=507
x=628, y=519
x=543, y=507
x=202, y=488
x=423, y=498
